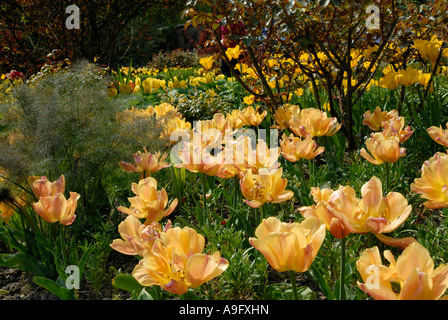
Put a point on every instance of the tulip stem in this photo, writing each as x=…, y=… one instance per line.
x=204, y=191
x=292, y=275
x=386, y=168
x=235, y=191
x=342, y=271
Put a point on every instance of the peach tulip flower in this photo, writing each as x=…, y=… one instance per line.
x=411, y=277
x=375, y=119
x=176, y=262
x=395, y=127
x=382, y=149
x=234, y=119
x=148, y=203
x=343, y=213
x=251, y=117
x=294, y=148
x=313, y=122
x=195, y=159
x=439, y=135
x=284, y=114
x=289, y=246
x=145, y=162
x=266, y=186
x=433, y=183
x=137, y=237
x=56, y=207
x=42, y=187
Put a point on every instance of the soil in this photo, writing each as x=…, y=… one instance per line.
x=18, y=285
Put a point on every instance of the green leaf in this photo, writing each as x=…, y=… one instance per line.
x=144, y=295
x=23, y=262
x=127, y=282
x=50, y=285
x=306, y=293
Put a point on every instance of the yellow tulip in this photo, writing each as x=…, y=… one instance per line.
x=145, y=162
x=294, y=148
x=289, y=246
x=433, y=183
x=176, y=262
x=233, y=53
x=137, y=237
x=266, y=186
x=428, y=49
x=312, y=122
x=249, y=100
x=148, y=203
x=408, y=76
x=207, y=62
x=411, y=277
x=382, y=149
x=390, y=79
x=439, y=135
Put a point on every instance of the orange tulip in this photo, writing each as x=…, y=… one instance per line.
x=294, y=148
x=411, y=277
x=145, y=162
x=148, y=203
x=433, y=183
x=289, y=246
x=439, y=135
x=383, y=149
x=313, y=122
x=176, y=262
x=266, y=186
x=137, y=237
x=56, y=207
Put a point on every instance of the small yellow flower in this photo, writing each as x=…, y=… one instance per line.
x=207, y=62
x=249, y=100
x=233, y=53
